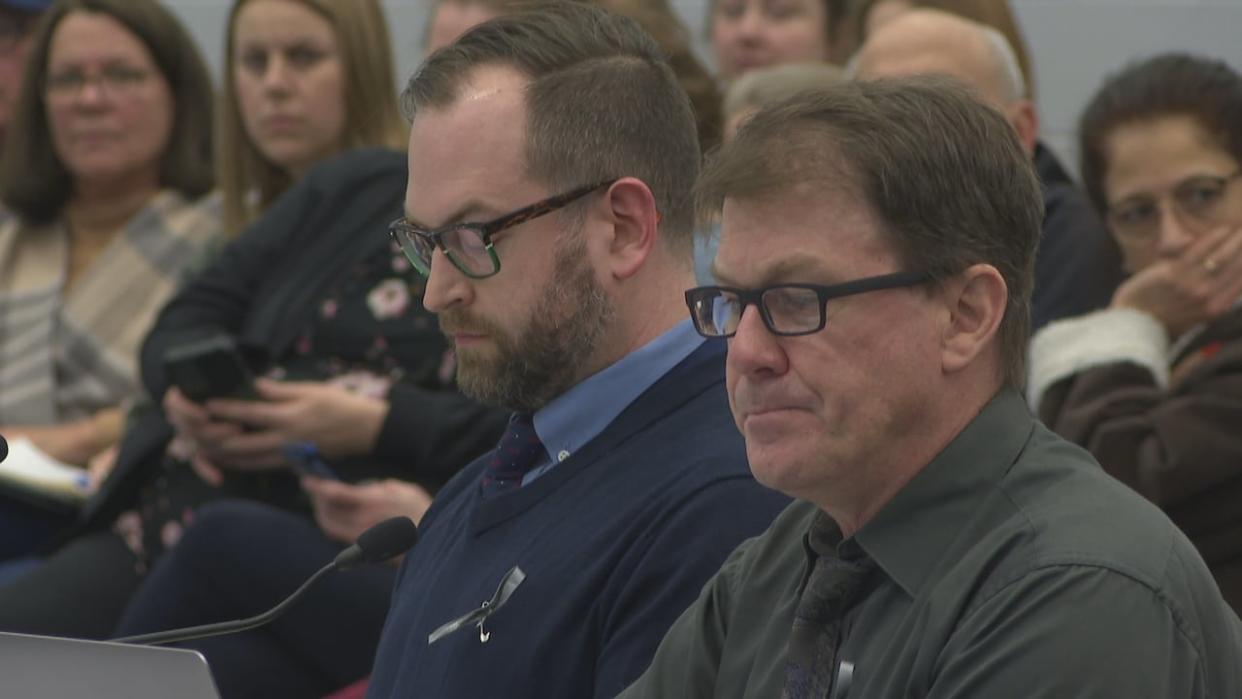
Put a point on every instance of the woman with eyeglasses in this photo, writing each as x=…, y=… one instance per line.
x=352, y=375
x=1152, y=386
x=108, y=153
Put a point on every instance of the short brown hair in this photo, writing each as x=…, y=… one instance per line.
x=1171, y=84
x=33, y=181
x=944, y=175
x=371, y=114
x=661, y=21
x=602, y=102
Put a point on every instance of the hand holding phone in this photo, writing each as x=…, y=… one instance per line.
x=209, y=368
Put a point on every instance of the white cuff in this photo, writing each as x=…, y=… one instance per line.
x=1066, y=347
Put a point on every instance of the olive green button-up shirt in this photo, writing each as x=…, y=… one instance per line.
x=1010, y=566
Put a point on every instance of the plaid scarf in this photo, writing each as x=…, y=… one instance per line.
x=66, y=354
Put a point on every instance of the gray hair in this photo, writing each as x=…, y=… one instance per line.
x=1005, y=61
x=764, y=86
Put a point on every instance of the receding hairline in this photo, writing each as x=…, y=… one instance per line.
x=974, y=47
x=407, y=101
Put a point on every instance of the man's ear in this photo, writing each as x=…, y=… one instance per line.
x=1025, y=121
x=630, y=211
x=976, y=301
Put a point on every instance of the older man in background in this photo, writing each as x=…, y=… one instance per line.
x=1077, y=266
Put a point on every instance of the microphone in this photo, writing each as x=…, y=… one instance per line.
x=385, y=540
x=4, y=449
x=379, y=543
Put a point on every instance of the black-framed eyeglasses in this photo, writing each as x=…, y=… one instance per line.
x=786, y=309
x=1198, y=199
x=469, y=245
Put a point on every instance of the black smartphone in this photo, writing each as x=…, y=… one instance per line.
x=209, y=368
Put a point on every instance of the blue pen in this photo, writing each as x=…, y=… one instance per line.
x=305, y=460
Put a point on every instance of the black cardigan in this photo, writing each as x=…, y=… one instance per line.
x=263, y=288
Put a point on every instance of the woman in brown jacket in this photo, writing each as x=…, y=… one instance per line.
x=1152, y=385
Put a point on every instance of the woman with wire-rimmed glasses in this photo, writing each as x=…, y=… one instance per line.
x=1152, y=386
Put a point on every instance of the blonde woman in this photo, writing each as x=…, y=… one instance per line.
x=303, y=79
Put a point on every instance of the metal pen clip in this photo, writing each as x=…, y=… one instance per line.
x=504, y=591
x=845, y=678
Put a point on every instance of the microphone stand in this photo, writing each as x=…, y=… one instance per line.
x=159, y=638
x=381, y=542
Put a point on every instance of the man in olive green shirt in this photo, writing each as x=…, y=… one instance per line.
x=875, y=264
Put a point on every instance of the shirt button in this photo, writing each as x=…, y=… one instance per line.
x=562, y=456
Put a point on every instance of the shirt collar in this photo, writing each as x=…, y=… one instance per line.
x=578, y=415
x=910, y=536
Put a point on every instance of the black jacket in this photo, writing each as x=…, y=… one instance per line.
x=262, y=290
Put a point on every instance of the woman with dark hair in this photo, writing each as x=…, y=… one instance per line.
x=107, y=153
x=1152, y=386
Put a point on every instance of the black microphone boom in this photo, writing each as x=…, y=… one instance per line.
x=4, y=448
x=379, y=543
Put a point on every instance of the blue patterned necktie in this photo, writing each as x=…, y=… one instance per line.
x=835, y=583
x=519, y=450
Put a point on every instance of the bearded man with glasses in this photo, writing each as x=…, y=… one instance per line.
x=875, y=270
x=551, y=159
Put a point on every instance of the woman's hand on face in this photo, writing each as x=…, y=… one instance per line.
x=339, y=422
x=1198, y=285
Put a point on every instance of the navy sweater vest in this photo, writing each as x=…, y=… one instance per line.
x=615, y=542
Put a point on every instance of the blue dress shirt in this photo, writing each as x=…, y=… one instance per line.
x=578, y=415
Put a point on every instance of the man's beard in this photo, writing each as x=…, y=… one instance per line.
x=550, y=354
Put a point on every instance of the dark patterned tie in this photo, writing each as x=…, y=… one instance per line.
x=836, y=579
x=519, y=450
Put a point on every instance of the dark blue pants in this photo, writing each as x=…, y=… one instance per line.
x=25, y=528
x=240, y=558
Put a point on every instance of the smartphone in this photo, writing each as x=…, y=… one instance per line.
x=305, y=460
x=209, y=368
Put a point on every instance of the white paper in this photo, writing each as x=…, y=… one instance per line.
x=29, y=467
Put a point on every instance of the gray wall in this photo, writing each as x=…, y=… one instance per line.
x=1074, y=42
